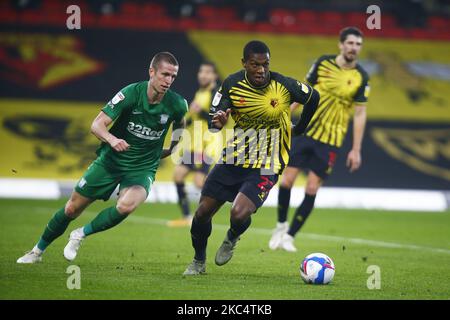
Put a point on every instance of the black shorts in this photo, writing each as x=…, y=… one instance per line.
x=225, y=181
x=196, y=161
x=307, y=153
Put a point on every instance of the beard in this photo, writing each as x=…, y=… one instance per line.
x=350, y=59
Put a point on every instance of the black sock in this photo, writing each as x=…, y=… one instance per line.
x=182, y=199
x=238, y=228
x=301, y=214
x=199, y=235
x=284, y=196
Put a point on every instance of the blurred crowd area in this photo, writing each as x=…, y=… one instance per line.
x=399, y=18
x=48, y=68
x=409, y=13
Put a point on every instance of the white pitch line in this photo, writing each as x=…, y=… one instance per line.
x=313, y=236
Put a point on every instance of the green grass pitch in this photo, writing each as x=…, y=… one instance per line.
x=143, y=259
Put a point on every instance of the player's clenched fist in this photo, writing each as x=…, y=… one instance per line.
x=119, y=145
x=220, y=118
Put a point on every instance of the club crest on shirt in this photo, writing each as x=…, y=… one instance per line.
x=164, y=118
x=274, y=102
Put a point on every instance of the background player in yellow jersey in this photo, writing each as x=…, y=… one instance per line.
x=343, y=86
x=259, y=101
x=196, y=156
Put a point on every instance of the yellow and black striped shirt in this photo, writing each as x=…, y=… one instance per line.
x=262, y=131
x=339, y=90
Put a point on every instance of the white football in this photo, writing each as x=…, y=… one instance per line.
x=317, y=268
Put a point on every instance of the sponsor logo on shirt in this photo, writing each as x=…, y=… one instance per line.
x=143, y=132
x=164, y=118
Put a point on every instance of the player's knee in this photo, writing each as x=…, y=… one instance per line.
x=71, y=210
x=198, y=183
x=177, y=179
x=240, y=213
x=287, y=183
x=125, y=207
x=202, y=214
x=205, y=211
x=311, y=188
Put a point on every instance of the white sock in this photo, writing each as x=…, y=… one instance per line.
x=282, y=224
x=37, y=250
x=81, y=231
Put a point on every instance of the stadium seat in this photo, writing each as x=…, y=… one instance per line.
x=108, y=21
x=294, y=28
x=206, y=12
x=188, y=24
x=306, y=16
x=57, y=18
x=239, y=26
x=388, y=20
x=88, y=19
x=356, y=19
x=227, y=13
x=152, y=10
x=8, y=15
x=57, y=6
x=438, y=22
x=330, y=17
x=32, y=17
x=281, y=17
x=394, y=32
x=419, y=33
x=128, y=21
x=215, y=24
x=53, y=6
x=263, y=27
x=130, y=8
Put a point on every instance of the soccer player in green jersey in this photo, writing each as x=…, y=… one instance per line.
x=343, y=86
x=128, y=156
x=259, y=101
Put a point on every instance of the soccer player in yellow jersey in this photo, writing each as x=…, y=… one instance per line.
x=196, y=157
x=259, y=101
x=343, y=87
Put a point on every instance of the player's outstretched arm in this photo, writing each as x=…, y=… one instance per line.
x=177, y=128
x=359, y=123
x=99, y=128
x=309, y=109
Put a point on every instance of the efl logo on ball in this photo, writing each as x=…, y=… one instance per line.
x=317, y=268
